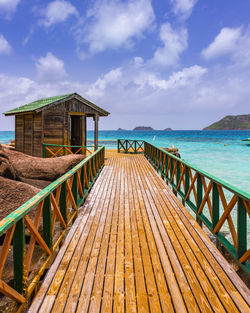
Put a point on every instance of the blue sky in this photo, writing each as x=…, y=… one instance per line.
x=174, y=63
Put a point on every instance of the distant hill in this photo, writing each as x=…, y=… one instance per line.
x=231, y=122
x=143, y=128
x=121, y=129
x=168, y=128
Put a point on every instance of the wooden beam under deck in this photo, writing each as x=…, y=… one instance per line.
x=135, y=248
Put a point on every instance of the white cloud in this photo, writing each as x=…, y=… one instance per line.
x=174, y=43
x=50, y=68
x=8, y=7
x=183, y=8
x=5, y=47
x=226, y=42
x=97, y=89
x=187, y=76
x=113, y=24
x=56, y=12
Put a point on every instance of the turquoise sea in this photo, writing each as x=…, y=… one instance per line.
x=221, y=153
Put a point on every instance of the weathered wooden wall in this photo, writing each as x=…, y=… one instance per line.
x=52, y=125
x=19, y=132
x=37, y=135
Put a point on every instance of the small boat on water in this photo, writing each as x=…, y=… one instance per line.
x=248, y=139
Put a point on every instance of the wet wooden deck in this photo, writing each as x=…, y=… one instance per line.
x=135, y=248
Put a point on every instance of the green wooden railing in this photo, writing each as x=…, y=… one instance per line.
x=53, y=151
x=55, y=209
x=130, y=146
x=215, y=203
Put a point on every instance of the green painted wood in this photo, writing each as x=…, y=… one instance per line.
x=47, y=235
x=199, y=198
x=74, y=187
x=241, y=228
x=187, y=181
x=18, y=256
x=178, y=172
x=215, y=205
x=62, y=203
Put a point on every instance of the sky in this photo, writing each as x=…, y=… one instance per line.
x=182, y=64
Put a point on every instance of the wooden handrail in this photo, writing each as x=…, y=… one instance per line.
x=52, y=203
x=212, y=199
x=54, y=150
x=130, y=146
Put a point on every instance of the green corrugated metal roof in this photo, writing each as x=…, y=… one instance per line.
x=37, y=104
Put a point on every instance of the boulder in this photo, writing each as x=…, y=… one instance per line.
x=27, y=168
x=6, y=168
x=13, y=194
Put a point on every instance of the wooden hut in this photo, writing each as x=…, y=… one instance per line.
x=57, y=120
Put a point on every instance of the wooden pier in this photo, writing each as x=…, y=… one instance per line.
x=135, y=248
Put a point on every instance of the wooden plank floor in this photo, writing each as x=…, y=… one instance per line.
x=135, y=248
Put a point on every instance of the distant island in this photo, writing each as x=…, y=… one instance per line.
x=143, y=128
x=231, y=122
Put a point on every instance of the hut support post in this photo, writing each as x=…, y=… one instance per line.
x=96, y=119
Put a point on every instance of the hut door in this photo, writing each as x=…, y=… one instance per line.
x=76, y=131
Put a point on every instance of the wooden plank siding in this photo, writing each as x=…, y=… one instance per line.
x=137, y=249
x=52, y=125
x=28, y=133
x=19, y=132
x=37, y=135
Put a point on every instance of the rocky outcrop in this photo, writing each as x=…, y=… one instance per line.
x=38, y=172
x=13, y=194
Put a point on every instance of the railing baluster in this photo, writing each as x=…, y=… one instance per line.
x=20, y=274
x=241, y=228
x=47, y=236
x=199, y=197
x=74, y=188
x=63, y=207
x=215, y=205
x=187, y=181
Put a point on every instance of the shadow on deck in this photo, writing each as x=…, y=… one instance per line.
x=135, y=248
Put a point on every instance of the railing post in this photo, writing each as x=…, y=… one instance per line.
x=199, y=198
x=63, y=202
x=74, y=188
x=19, y=257
x=118, y=145
x=215, y=209
x=178, y=175
x=47, y=236
x=187, y=182
x=166, y=169
x=135, y=145
x=44, y=151
x=126, y=146
x=171, y=167
x=241, y=228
